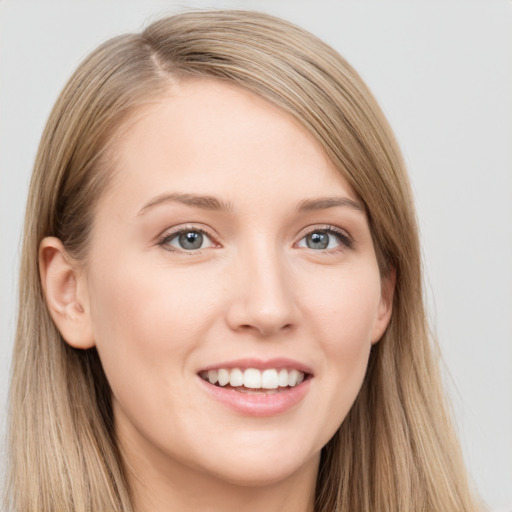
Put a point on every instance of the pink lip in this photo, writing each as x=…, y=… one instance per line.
x=260, y=364
x=257, y=404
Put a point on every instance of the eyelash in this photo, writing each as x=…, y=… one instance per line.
x=169, y=236
x=345, y=241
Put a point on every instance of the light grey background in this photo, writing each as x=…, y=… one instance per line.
x=441, y=69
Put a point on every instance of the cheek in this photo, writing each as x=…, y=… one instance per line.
x=145, y=324
x=344, y=308
x=141, y=306
x=343, y=318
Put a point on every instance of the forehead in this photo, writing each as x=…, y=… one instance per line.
x=218, y=138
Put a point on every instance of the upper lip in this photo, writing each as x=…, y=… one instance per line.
x=260, y=364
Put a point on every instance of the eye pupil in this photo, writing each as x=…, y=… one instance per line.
x=191, y=240
x=317, y=240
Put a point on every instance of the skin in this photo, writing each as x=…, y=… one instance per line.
x=159, y=313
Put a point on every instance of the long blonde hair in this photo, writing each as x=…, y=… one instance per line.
x=396, y=450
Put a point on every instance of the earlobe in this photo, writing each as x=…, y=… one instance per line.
x=65, y=295
x=385, y=308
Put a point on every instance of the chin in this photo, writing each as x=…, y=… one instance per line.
x=263, y=469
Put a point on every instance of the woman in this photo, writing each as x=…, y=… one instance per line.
x=220, y=296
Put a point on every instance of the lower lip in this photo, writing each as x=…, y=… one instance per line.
x=258, y=404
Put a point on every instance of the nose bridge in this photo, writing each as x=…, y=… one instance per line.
x=264, y=299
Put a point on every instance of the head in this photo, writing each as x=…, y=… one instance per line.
x=250, y=58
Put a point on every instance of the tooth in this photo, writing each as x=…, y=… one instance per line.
x=223, y=376
x=252, y=378
x=236, y=378
x=282, y=378
x=292, y=377
x=269, y=379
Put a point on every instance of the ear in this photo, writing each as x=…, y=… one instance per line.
x=65, y=291
x=385, y=307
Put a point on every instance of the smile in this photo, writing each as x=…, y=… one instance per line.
x=253, y=379
x=253, y=387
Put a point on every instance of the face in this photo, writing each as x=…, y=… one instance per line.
x=232, y=286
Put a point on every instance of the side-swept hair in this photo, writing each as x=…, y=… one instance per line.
x=396, y=450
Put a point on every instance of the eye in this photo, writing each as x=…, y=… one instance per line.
x=325, y=239
x=187, y=240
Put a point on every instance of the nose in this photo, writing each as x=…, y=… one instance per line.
x=263, y=300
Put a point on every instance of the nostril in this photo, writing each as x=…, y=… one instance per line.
x=264, y=330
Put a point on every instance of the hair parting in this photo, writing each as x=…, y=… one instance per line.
x=396, y=450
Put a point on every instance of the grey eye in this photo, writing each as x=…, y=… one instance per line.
x=317, y=240
x=190, y=240
x=187, y=240
x=323, y=239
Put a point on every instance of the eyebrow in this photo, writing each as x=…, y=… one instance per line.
x=212, y=203
x=322, y=203
x=194, y=200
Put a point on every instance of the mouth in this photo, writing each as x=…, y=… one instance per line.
x=254, y=380
x=258, y=388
